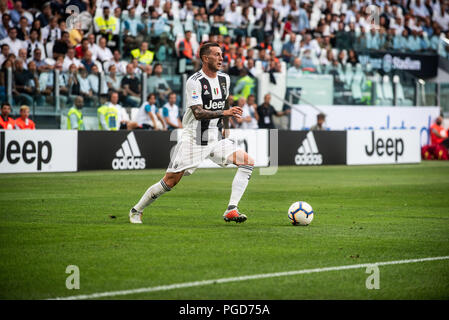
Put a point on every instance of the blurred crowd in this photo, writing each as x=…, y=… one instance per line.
x=128, y=39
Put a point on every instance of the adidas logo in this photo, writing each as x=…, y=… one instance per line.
x=308, y=153
x=128, y=157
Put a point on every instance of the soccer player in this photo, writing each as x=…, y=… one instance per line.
x=23, y=122
x=6, y=122
x=206, y=115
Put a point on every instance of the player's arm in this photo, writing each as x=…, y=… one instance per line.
x=202, y=114
x=153, y=120
x=226, y=132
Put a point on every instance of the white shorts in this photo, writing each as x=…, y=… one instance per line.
x=188, y=155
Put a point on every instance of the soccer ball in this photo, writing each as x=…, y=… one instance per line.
x=300, y=213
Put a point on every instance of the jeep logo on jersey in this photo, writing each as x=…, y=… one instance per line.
x=30, y=151
x=128, y=157
x=308, y=153
x=214, y=105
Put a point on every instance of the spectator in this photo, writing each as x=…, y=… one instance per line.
x=319, y=126
x=438, y=134
x=123, y=121
x=237, y=68
x=75, y=34
x=295, y=70
x=266, y=111
x=93, y=47
x=23, y=29
x=244, y=86
x=170, y=113
x=61, y=46
x=13, y=42
x=19, y=12
x=103, y=53
x=232, y=17
x=131, y=88
x=6, y=122
x=82, y=48
x=6, y=24
x=87, y=62
x=307, y=62
x=289, y=51
x=142, y=54
x=112, y=81
x=249, y=115
x=158, y=85
x=73, y=84
x=51, y=32
x=106, y=23
x=98, y=87
x=24, y=84
x=34, y=43
x=215, y=8
x=23, y=57
x=70, y=59
x=147, y=117
x=45, y=16
x=85, y=88
x=186, y=50
x=119, y=64
x=441, y=17
x=23, y=122
x=75, y=115
x=439, y=142
x=4, y=53
x=131, y=28
x=188, y=11
x=48, y=84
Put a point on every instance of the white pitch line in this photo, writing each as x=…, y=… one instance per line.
x=242, y=278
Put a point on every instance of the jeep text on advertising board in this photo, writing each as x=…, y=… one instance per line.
x=38, y=151
x=29, y=152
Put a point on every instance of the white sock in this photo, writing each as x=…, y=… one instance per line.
x=239, y=184
x=153, y=192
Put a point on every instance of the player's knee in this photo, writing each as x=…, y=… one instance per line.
x=248, y=161
x=172, y=180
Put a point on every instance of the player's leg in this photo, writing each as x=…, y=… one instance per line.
x=155, y=191
x=245, y=166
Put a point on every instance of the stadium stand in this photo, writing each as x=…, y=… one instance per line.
x=359, y=43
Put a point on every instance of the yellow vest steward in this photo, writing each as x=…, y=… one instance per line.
x=105, y=25
x=79, y=115
x=110, y=116
x=247, y=89
x=146, y=58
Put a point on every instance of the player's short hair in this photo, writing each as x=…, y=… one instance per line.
x=321, y=116
x=150, y=95
x=5, y=104
x=24, y=107
x=205, y=48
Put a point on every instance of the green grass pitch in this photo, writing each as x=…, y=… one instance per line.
x=363, y=214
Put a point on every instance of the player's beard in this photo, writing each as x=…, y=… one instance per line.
x=213, y=67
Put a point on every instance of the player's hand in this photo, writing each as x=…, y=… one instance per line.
x=233, y=112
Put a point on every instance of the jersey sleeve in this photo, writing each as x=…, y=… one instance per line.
x=193, y=93
x=165, y=112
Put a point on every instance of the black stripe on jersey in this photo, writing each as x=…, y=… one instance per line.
x=196, y=76
x=202, y=133
x=223, y=88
